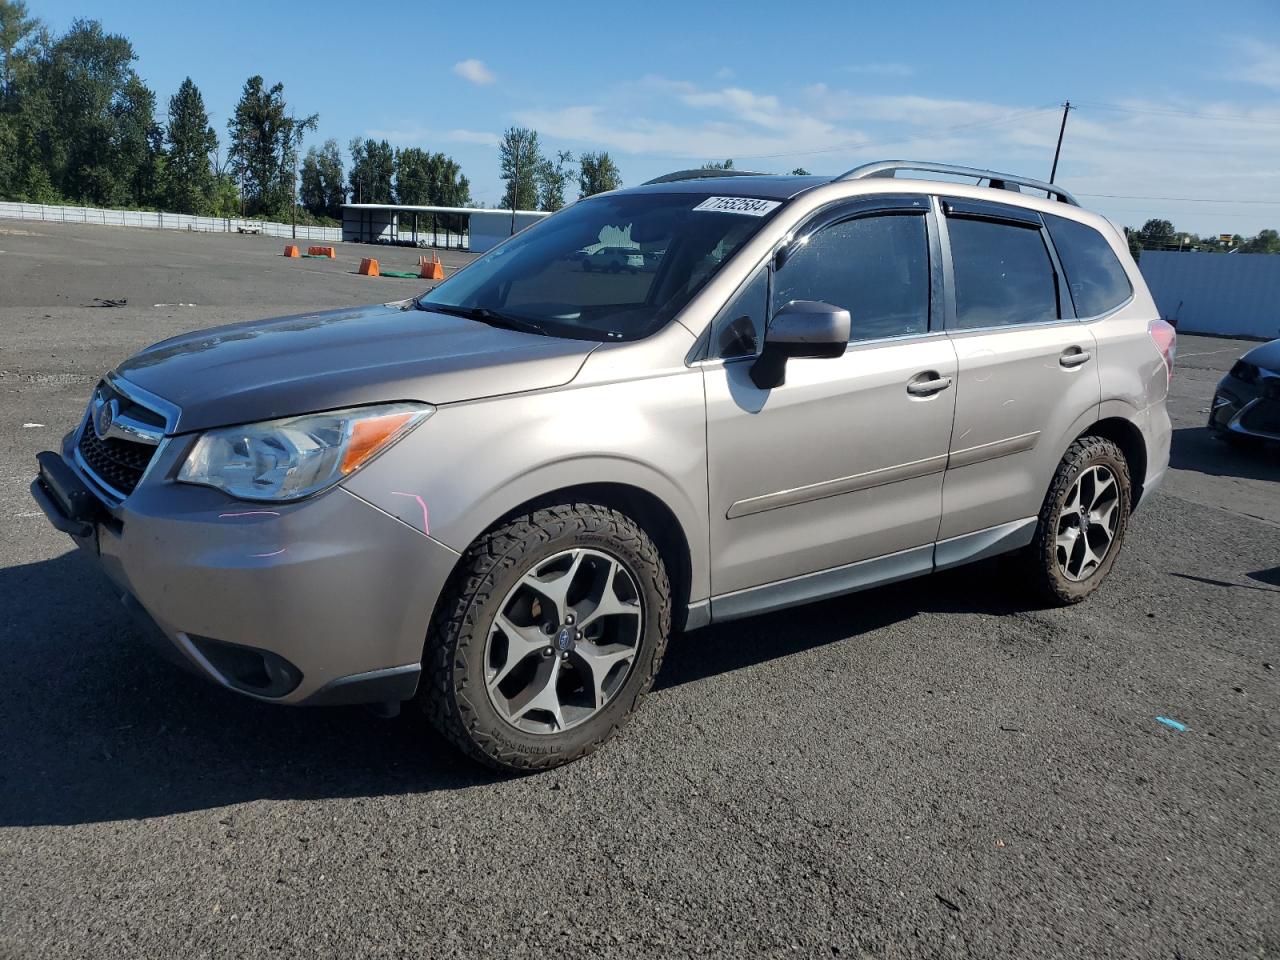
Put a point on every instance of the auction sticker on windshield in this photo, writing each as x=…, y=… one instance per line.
x=748, y=205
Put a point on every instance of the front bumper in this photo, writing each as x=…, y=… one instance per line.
x=1247, y=409
x=323, y=601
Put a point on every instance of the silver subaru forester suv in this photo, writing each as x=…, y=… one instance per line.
x=500, y=498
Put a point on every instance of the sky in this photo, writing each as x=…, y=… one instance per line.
x=1176, y=104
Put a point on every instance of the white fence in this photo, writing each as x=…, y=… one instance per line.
x=56, y=213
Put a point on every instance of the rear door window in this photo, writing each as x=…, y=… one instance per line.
x=1097, y=281
x=1003, y=273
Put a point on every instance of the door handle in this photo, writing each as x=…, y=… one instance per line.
x=927, y=384
x=1074, y=357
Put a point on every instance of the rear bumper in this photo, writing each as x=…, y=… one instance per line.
x=323, y=601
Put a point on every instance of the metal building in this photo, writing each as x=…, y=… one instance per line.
x=458, y=228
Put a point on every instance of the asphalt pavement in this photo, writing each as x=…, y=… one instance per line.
x=933, y=769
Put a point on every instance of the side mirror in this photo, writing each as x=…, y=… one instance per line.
x=803, y=328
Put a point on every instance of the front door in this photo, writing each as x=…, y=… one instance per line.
x=845, y=460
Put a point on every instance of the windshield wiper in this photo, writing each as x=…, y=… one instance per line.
x=484, y=315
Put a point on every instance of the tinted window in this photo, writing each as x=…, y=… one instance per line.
x=877, y=268
x=740, y=325
x=1095, y=277
x=1003, y=274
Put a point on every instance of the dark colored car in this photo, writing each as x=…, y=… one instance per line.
x=1246, y=403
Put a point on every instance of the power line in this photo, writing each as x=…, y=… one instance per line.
x=1122, y=196
x=1174, y=112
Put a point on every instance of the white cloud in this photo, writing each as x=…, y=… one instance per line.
x=881, y=69
x=1258, y=62
x=475, y=71
x=416, y=135
x=1147, y=148
x=725, y=73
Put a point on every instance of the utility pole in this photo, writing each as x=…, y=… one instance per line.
x=1066, y=108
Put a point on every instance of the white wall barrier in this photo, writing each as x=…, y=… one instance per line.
x=56, y=213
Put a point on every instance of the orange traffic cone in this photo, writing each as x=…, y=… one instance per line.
x=369, y=267
x=291, y=251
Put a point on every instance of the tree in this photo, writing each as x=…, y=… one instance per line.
x=597, y=173
x=372, y=171
x=1135, y=243
x=15, y=30
x=1267, y=241
x=800, y=172
x=189, y=179
x=87, y=120
x=265, y=139
x=718, y=165
x=323, y=191
x=1157, y=231
x=520, y=158
x=430, y=179
x=553, y=178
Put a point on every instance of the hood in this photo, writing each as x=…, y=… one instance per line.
x=343, y=358
x=1266, y=356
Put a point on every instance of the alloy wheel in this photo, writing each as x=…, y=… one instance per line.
x=1087, y=523
x=564, y=640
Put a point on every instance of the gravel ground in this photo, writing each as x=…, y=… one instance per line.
x=934, y=769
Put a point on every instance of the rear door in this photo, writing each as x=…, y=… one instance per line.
x=1028, y=375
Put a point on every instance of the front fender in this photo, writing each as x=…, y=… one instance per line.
x=474, y=462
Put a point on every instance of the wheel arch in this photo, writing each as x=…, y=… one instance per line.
x=647, y=509
x=1126, y=435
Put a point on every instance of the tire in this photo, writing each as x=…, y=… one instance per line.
x=1080, y=477
x=475, y=666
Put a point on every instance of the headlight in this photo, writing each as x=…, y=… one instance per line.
x=298, y=456
x=1245, y=372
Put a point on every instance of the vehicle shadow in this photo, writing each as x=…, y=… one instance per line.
x=96, y=727
x=1196, y=448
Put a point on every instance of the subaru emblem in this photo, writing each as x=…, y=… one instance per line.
x=106, y=416
x=564, y=640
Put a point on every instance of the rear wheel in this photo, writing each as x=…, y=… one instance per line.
x=1082, y=522
x=548, y=637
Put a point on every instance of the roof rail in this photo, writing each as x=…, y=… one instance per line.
x=998, y=181
x=700, y=174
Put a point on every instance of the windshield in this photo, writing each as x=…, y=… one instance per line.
x=608, y=268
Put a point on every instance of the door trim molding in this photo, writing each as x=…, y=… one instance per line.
x=992, y=451
x=834, y=488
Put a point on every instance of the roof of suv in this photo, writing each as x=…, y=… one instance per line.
x=766, y=186
x=737, y=183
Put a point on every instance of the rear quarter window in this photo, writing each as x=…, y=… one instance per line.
x=1095, y=277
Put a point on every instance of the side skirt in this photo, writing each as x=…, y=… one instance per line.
x=875, y=572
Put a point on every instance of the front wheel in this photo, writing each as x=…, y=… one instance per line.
x=1082, y=522
x=550, y=633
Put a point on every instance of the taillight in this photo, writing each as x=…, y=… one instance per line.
x=1165, y=337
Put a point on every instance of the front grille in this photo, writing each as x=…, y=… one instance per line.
x=1262, y=417
x=117, y=463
